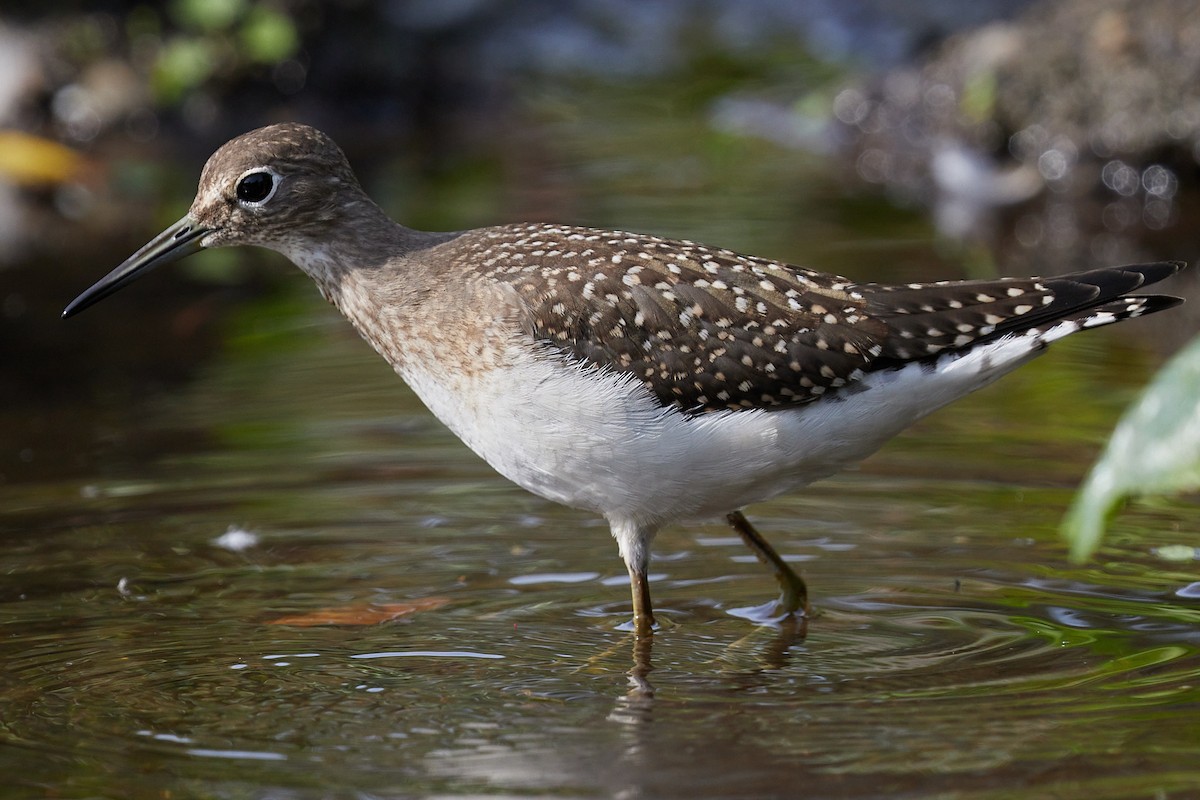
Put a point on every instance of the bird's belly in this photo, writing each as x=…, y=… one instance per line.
x=597, y=440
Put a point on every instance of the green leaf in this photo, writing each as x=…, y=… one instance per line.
x=183, y=63
x=207, y=15
x=1155, y=449
x=268, y=36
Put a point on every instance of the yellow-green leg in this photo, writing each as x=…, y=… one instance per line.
x=643, y=611
x=795, y=594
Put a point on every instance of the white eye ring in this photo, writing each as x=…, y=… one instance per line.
x=250, y=185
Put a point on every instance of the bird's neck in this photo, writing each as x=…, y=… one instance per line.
x=366, y=251
x=373, y=270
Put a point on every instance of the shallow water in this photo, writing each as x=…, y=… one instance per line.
x=474, y=638
x=953, y=653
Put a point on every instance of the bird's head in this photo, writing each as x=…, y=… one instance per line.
x=283, y=187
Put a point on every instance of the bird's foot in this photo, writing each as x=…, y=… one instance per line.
x=775, y=613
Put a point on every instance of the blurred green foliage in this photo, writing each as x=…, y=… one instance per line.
x=1155, y=449
x=212, y=39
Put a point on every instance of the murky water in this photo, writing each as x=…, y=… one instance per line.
x=476, y=642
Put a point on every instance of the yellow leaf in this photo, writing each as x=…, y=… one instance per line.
x=31, y=160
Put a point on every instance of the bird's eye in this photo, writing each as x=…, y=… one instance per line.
x=255, y=187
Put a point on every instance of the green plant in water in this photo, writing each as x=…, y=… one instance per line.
x=1155, y=449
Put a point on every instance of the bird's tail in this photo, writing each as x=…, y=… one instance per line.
x=927, y=319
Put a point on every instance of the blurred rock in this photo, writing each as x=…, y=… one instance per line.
x=21, y=74
x=1092, y=104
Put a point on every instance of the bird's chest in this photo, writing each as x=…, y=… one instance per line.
x=559, y=429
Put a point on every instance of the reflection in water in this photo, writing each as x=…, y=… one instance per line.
x=633, y=714
x=639, y=684
x=634, y=707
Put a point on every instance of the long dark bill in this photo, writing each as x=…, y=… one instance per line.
x=176, y=242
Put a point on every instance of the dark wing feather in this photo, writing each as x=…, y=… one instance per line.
x=926, y=319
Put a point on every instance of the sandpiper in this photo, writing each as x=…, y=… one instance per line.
x=645, y=379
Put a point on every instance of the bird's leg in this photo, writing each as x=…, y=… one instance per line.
x=633, y=542
x=795, y=594
x=643, y=611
